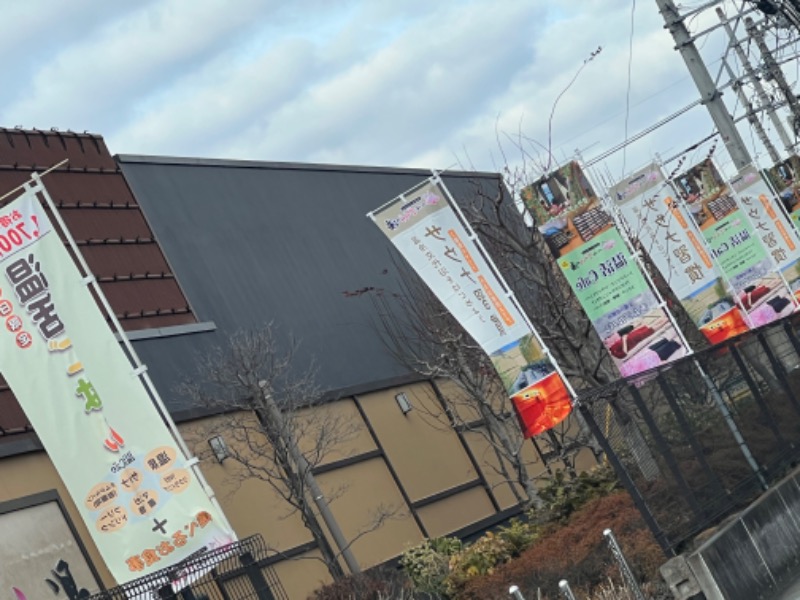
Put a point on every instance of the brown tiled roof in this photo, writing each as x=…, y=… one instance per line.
x=105, y=220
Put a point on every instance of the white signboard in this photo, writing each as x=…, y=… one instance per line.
x=769, y=223
x=427, y=231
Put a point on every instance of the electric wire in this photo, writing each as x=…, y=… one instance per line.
x=628, y=90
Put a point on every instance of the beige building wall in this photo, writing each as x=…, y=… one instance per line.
x=412, y=470
x=426, y=455
x=369, y=497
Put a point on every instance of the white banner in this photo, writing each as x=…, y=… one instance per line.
x=737, y=249
x=426, y=230
x=432, y=239
x=663, y=227
x=774, y=229
x=119, y=461
x=647, y=203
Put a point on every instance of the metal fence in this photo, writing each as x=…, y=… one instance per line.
x=699, y=439
x=239, y=571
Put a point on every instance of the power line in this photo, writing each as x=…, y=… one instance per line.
x=642, y=133
x=628, y=90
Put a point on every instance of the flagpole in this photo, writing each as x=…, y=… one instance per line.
x=436, y=178
x=140, y=369
x=24, y=185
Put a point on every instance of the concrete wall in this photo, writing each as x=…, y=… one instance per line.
x=754, y=556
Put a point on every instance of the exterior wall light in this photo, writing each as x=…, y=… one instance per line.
x=219, y=447
x=403, y=402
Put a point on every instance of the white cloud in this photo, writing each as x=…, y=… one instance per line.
x=409, y=82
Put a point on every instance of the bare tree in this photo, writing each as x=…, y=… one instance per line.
x=523, y=257
x=421, y=334
x=278, y=431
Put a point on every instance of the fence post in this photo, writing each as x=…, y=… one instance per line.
x=563, y=585
x=666, y=452
x=757, y=396
x=167, y=593
x=256, y=577
x=688, y=433
x=730, y=421
x=514, y=591
x=627, y=482
x=780, y=371
x=625, y=569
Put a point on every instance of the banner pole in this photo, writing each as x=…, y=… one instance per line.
x=707, y=380
x=436, y=178
x=140, y=370
x=42, y=174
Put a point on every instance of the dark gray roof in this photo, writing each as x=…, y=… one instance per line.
x=254, y=242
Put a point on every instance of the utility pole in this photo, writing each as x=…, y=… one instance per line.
x=751, y=114
x=763, y=98
x=788, y=10
x=710, y=96
x=774, y=71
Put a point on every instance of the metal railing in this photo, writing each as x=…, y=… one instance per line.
x=239, y=571
x=703, y=437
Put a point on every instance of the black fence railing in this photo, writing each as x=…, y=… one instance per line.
x=239, y=571
x=702, y=438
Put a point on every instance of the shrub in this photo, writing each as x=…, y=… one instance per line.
x=480, y=558
x=563, y=496
x=427, y=564
x=577, y=552
x=375, y=584
x=518, y=535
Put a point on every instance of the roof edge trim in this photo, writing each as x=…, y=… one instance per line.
x=295, y=166
x=23, y=445
x=172, y=331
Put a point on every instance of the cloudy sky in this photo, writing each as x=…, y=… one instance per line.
x=400, y=82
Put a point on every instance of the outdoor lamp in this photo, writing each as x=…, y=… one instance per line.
x=219, y=447
x=403, y=402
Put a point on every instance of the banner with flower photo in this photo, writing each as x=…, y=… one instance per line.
x=733, y=243
x=777, y=233
x=444, y=252
x=591, y=252
x=663, y=229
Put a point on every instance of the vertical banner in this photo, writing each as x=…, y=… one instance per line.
x=735, y=246
x=776, y=233
x=662, y=227
x=785, y=180
x=139, y=499
x=607, y=281
x=426, y=230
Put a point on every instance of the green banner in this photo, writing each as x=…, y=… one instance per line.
x=603, y=275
